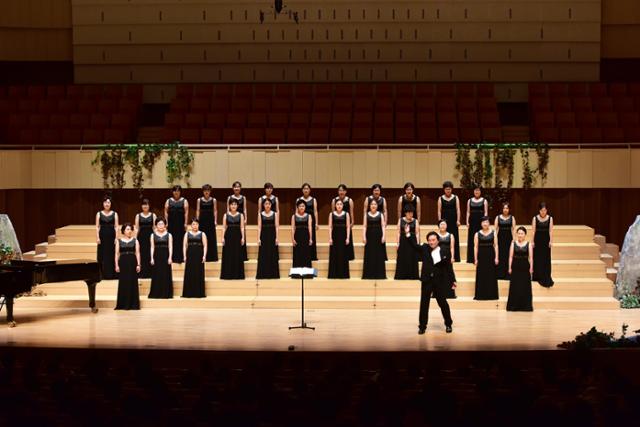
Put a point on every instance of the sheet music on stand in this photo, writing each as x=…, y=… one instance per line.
x=305, y=272
x=8, y=236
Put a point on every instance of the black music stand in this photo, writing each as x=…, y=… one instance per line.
x=302, y=273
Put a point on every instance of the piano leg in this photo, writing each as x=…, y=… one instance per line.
x=8, y=300
x=91, y=287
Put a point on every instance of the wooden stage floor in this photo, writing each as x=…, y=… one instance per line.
x=337, y=330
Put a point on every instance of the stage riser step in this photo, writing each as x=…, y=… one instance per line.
x=311, y=303
x=562, y=233
x=561, y=251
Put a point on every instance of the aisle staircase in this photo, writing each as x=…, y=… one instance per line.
x=579, y=270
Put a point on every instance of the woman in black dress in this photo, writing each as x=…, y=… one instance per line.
x=268, y=259
x=542, y=227
x=407, y=257
x=232, y=267
x=373, y=236
x=143, y=228
x=446, y=241
x=477, y=208
x=301, y=232
x=243, y=209
x=347, y=204
x=505, y=226
x=106, y=226
x=127, y=260
x=486, y=260
x=376, y=190
x=339, y=238
x=311, y=209
x=161, y=248
x=176, y=210
x=207, y=214
x=520, y=270
x=268, y=195
x=449, y=210
x=194, y=247
x=409, y=199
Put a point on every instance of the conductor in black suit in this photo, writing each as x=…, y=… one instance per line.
x=437, y=274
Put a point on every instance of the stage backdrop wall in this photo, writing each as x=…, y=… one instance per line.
x=607, y=168
x=36, y=213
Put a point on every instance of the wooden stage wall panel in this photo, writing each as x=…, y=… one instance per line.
x=36, y=213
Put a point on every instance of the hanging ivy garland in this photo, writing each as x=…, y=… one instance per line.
x=141, y=158
x=494, y=163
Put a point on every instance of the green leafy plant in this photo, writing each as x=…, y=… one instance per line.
x=542, y=151
x=527, y=172
x=594, y=338
x=141, y=158
x=463, y=165
x=6, y=253
x=630, y=301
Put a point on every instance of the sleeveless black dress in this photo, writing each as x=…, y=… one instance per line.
x=381, y=201
x=445, y=247
x=268, y=265
x=106, y=256
x=241, y=200
x=486, y=279
x=274, y=203
x=542, y=253
x=505, y=237
x=339, y=250
x=193, y=283
x=302, y=249
x=145, y=229
x=309, y=211
x=520, y=298
x=449, y=211
x=407, y=257
x=476, y=210
x=208, y=227
x=351, y=252
x=128, y=293
x=375, y=253
x=232, y=267
x=176, y=227
x=161, y=275
x=406, y=203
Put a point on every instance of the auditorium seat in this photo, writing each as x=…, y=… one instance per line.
x=382, y=135
x=407, y=105
x=470, y=134
x=613, y=135
x=38, y=121
x=623, y=104
x=405, y=135
x=184, y=91
x=302, y=105
x=320, y=120
x=617, y=89
x=362, y=119
x=445, y=90
x=75, y=92
x=632, y=133
x=629, y=120
x=591, y=135
x=570, y=135
x=87, y=106
x=281, y=105
x=467, y=105
x=406, y=119
x=598, y=90
x=194, y=120
x=318, y=135
x=232, y=136
x=199, y=105
x=340, y=135
x=543, y=119
x=343, y=90
x=361, y=135
x=17, y=91
x=361, y=105
x=565, y=119
x=112, y=91
x=344, y=104
x=283, y=91
x=297, y=135
x=36, y=92
x=465, y=90
x=223, y=91
x=384, y=105
x=323, y=105
x=211, y=136
x=405, y=90
x=58, y=121
x=468, y=119
x=254, y=136
x=236, y=120
x=447, y=119
x=220, y=105
x=72, y=136
x=240, y=105
x=602, y=104
x=48, y=106
x=303, y=91
x=384, y=91
x=93, y=92
x=364, y=90
x=116, y=136
x=492, y=134
x=448, y=135
x=173, y=120
x=429, y=135
x=484, y=90
x=275, y=136
x=445, y=105
x=490, y=120
x=28, y=105
x=608, y=120
x=427, y=119
x=547, y=135
x=561, y=105
x=488, y=105
x=261, y=105
x=582, y=104
x=179, y=105
x=169, y=135
x=539, y=104
x=538, y=90
x=384, y=120
x=67, y=106
x=92, y=136
x=586, y=120
x=558, y=90
x=279, y=120
x=578, y=89
x=299, y=120
x=79, y=121
x=427, y=105
x=263, y=90
x=257, y=120
x=99, y=121
x=321, y=90
x=203, y=90
x=342, y=120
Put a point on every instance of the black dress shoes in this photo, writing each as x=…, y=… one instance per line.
x=421, y=330
x=449, y=329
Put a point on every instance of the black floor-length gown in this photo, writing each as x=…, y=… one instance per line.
x=268, y=265
x=542, y=253
x=407, y=258
x=302, y=249
x=241, y=201
x=445, y=246
x=232, y=267
x=475, y=224
x=145, y=229
x=486, y=279
x=106, y=249
x=161, y=275
x=128, y=293
x=449, y=211
x=311, y=212
x=505, y=237
x=381, y=202
x=339, y=250
x=347, y=208
x=208, y=227
x=176, y=227
x=193, y=283
x=375, y=253
x=520, y=298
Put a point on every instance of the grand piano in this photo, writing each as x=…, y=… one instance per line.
x=20, y=276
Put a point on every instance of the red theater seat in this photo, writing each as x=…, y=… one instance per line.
x=492, y=134
x=113, y=91
x=100, y=121
x=543, y=119
x=587, y=120
x=445, y=90
x=59, y=121
x=468, y=120
x=405, y=135
x=342, y=120
x=173, y=120
x=303, y=90
x=465, y=90
x=263, y=90
x=343, y=90
x=92, y=136
x=114, y=136
x=281, y=105
x=320, y=120
x=257, y=121
x=340, y=135
x=364, y=90
x=29, y=137
x=470, y=135
x=384, y=105
x=18, y=121
x=405, y=90
x=405, y=119
x=261, y=105
x=28, y=105
x=243, y=90
x=488, y=105
x=484, y=90
x=78, y=121
x=448, y=135
x=538, y=104
x=561, y=105
x=613, y=135
x=407, y=105
x=428, y=135
x=447, y=120
x=239, y=105
x=283, y=91
x=603, y=104
x=203, y=90
x=384, y=90
x=200, y=105
x=223, y=91
x=566, y=120
x=232, y=136
x=582, y=104
x=445, y=104
x=608, y=120
x=67, y=106
x=548, y=135
x=17, y=91
x=75, y=92
x=220, y=105
x=490, y=120
x=87, y=106
x=363, y=105
x=72, y=137
x=538, y=90
x=107, y=106
x=426, y=120
x=591, y=135
x=211, y=136
x=321, y=90
x=361, y=135
x=323, y=105
x=299, y=120
x=194, y=120
x=629, y=120
x=56, y=91
x=184, y=91
x=383, y=135
x=558, y=90
x=180, y=105
x=297, y=135
x=169, y=135
x=301, y=105
x=632, y=134
x=36, y=92
x=362, y=120
x=342, y=104
x=467, y=105
x=275, y=136
x=93, y=91
x=39, y=121
x=429, y=105
x=617, y=89
x=318, y=135
x=569, y=135
x=236, y=120
x=280, y=120
x=578, y=90
x=623, y=104
x=122, y=122
x=254, y=136
x=598, y=90
x=383, y=120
